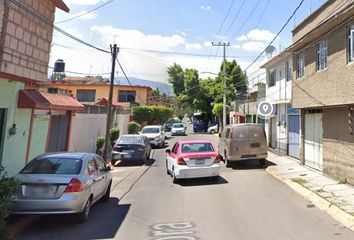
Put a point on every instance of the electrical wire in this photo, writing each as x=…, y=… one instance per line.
x=235, y=17
x=262, y=14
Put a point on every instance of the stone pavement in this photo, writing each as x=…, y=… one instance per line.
x=330, y=195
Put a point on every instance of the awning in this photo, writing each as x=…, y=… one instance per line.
x=61, y=5
x=104, y=102
x=47, y=101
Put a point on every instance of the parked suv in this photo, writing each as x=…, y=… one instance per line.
x=243, y=142
x=155, y=134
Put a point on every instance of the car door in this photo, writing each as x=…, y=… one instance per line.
x=172, y=157
x=93, y=174
x=102, y=179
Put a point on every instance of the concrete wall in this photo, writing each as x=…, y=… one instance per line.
x=281, y=91
x=338, y=144
x=336, y=80
x=27, y=39
x=14, y=148
x=39, y=135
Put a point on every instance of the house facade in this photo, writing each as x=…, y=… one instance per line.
x=323, y=63
x=283, y=127
x=30, y=120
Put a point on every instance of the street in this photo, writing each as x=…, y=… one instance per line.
x=245, y=203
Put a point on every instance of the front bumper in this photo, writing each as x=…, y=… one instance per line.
x=178, y=133
x=66, y=204
x=156, y=142
x=197, y=172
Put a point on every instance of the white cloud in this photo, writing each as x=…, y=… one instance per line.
x=253, y=46
x=236, y=46
x=257, y=35
x=207, y=44
x=85, y=15
x=83, y=2
x=206, y=7
x=193, y=46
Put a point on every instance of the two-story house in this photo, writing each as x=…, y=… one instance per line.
x=283, y=127
x=323, y=87
x=30, y=120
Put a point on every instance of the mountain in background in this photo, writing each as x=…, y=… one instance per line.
x=163, y=87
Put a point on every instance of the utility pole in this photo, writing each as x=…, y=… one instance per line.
x=224, y=45
x=114, y=51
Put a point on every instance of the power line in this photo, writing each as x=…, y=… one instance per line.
x=262, y=14
x=85, y=13
x=235, y=17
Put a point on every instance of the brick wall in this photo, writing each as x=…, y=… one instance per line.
x=26, y=39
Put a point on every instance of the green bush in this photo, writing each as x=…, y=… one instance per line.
x=8, y=188
x=113, y=135
x=133, y=127
x=99, y=144
x=151, y=114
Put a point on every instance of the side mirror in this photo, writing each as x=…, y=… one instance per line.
x=108, y=168
x=168, y=151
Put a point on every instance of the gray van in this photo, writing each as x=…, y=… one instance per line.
x=245, y=141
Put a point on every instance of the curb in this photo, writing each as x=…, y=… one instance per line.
x=335, y=212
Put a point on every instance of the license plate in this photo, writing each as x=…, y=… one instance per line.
x=126, y=155
x=42, y=190
x=199, y=161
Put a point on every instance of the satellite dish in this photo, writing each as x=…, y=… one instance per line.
x=269, y=51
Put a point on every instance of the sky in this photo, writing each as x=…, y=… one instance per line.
x=154, y=34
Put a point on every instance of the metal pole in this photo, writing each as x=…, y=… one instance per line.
x=224, y=96
x=114, y=51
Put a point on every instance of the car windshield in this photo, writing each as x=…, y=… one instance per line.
x=197, y=147
x=177, y=125
x=130, y=140
x=150, y=130
x=53, y=166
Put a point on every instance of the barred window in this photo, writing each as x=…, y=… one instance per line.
x=321, y=55
x=84, y=95
x=300, y=65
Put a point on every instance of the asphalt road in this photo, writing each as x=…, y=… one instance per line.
x=244, y=204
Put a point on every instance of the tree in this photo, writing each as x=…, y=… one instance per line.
x=217, y=111
x=176, y=78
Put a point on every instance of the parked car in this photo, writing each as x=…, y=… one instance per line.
x=178, y=129
x=213, y=129
x=131, y=147
x=155, y=134
x=192, y=159
x=243, y=142
x=62, y=183
x=167, y=127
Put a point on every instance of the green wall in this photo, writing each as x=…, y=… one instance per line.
x=14, y=147
x=39, y=135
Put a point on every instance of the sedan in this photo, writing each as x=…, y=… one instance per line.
x=192, y=159
x=131, y=147
x=178, y=129
x=155, y=134
x=62, y=183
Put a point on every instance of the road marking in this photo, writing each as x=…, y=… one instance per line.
x=173, y=231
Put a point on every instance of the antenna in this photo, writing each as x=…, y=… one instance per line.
x=269, y=51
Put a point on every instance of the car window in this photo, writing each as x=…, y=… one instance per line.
x=92, y=167
x=227, y=132
x=240, y=133
x=255, y=132
x=178, y=125
x=130, y=140
x=53, y=166
x=151, y=130
x=100, y=164
x=175, y=148
x=197, y=147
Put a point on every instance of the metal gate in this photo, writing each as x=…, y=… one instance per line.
x=294, y=136
x=58, y=133
x=313, y=140
x=2, y=129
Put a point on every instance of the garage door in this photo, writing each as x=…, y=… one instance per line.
x=313, y=140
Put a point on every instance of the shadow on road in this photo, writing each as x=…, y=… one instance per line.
x=104, y=222
x=128, y=164
x=251, y=164
x=150, y=162
x=202, y=181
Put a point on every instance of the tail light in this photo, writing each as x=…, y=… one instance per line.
x=75, y=185
x=115, y=148
x=180, y=161
x=141, y=148
x=217, y=159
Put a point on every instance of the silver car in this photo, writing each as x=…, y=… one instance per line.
x=62, y=183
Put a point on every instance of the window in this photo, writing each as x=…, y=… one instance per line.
x=53, y=166
x=175, y=148
x=197, y=147
x=126, y=96
x=91, y=167
x=288, y=71
x=52, y=90
x=321, y=55
x=300, y=65
x=100, y=164
x=351, y=43
x=272, y=78
x=86, y=95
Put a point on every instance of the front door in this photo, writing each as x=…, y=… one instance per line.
x=2, y=130
x=313, y=140
x=58, y=133
x=294, y=136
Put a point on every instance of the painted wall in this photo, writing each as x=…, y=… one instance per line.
x=281, y=91
x=14, y=150
x=39, y=135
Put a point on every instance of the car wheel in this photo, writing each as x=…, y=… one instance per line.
x=113, y=162
x=83, y=216
x=212, y=131
x=105, y=197
x=262, y=162
x=174, y=179
x=227, y=162
x=168, y=172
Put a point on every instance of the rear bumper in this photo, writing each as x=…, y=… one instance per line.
x=197, y=172
x=135, y=156
x=242, y=158
x=66, y=204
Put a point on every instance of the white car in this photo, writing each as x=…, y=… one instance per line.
x=213, y=129
x=178, y=129
x=155, y=135
x=192, y=159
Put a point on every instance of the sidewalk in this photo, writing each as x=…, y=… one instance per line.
x=329, y=195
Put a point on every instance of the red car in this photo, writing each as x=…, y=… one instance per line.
x=192, y=159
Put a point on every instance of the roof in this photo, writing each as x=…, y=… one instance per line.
x=75, y=155
x=61, y=5
x=94, y=85
x=104, y=102
x=152, y=126
x=194, y=141
x=276, y=59
x=46, y=101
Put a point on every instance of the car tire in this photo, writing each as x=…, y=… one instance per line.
x=167, y=172
x=227, y=162
x=262, y=162
x=113, y=162
x=83, y=216
x=105, y=197
x=174, y=179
